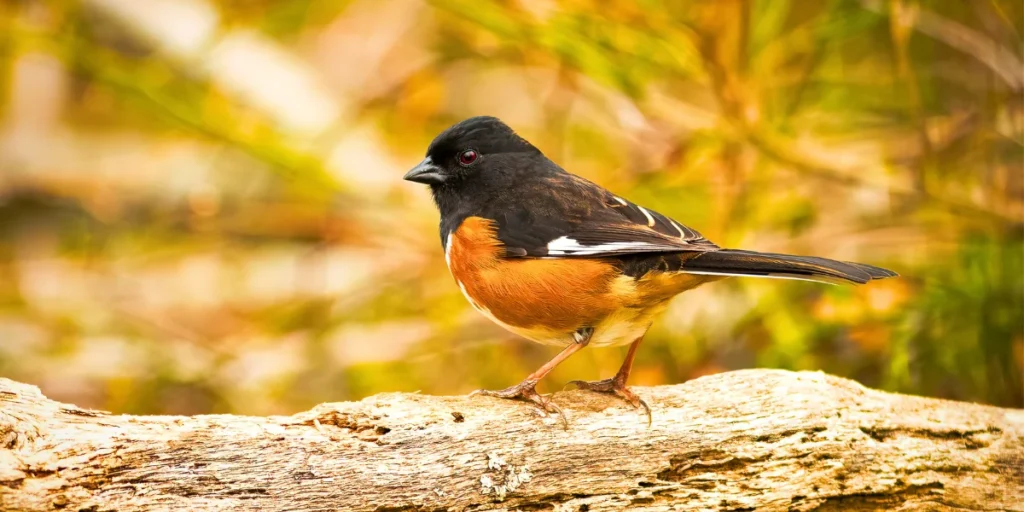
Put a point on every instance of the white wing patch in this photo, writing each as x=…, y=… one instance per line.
x=564, y=246
x=621, y=200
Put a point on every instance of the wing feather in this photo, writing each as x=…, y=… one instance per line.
x=584, y=220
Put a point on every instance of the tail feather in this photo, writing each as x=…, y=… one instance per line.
x=875, y=272
x=729, y=262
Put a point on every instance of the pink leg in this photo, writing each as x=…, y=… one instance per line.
x=526, y=390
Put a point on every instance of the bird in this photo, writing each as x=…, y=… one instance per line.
x=561, y=261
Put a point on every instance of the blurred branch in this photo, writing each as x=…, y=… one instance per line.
x=901, y=21
x=241, y=218
x=779, y=149
x=582, y=41
x=177, y=96
x=999, y=59
x=260, y=141
x=741, y=445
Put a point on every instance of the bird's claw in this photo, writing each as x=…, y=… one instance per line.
x=526, y=390
x=617, y=387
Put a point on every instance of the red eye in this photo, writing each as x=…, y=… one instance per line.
x=467, y=157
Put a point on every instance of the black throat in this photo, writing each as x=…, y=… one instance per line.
x=452, y=208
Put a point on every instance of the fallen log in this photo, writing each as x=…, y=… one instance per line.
x=744, y=440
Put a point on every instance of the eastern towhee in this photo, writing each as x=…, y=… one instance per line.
x=561, y=261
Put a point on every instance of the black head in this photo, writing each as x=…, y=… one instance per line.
x=466, y=150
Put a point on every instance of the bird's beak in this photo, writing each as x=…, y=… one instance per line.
x=425, y=172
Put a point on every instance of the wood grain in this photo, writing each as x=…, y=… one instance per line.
x=745, y=440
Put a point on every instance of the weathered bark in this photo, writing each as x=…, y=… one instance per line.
x=746, y=440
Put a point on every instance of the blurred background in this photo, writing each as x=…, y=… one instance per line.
x=201, y=204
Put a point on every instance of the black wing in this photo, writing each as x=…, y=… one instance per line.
x=572, y=217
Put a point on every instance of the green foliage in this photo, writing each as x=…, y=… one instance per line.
x=953, y=338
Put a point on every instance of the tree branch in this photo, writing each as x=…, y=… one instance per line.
x=745, y=440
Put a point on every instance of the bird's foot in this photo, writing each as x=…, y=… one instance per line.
x=615, y=386
x=526, y=390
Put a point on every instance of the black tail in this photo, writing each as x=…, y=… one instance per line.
x=729, y=262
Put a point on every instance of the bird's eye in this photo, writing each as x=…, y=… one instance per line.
x=468, y=156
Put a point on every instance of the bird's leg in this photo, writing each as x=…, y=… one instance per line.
x=617, y=384
x=526, y=390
